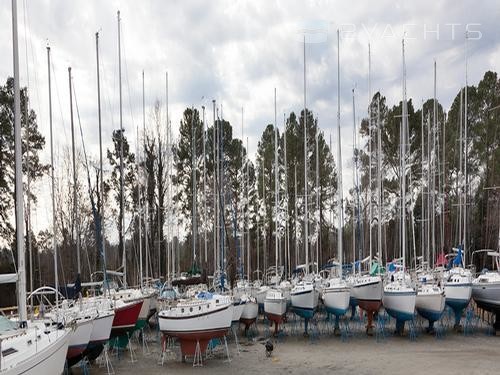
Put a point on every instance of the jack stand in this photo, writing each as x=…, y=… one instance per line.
x=84, y=366
x=106, y=361
x=235, y=333
x=198, y=359
x=145, y=346
x=228, y=360
x=131, y=350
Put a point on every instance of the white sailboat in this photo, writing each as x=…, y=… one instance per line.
x=399, y=294
x=26, y=346
x=366, y=289
x=430, y=301
x=336, y=292
x=304, y=295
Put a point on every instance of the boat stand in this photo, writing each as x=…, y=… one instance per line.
x=105, y=361
x=228, y=360
x=198, y=357
x=131, y=350
x=85, y=366
x=167, y=345
x=234, y=329
x=145, y=346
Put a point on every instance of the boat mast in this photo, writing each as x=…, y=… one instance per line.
x=403, y=162
x=287, y=231
x=54, y=241
x=75, y=208
x=379, y=183
x=247, y=218
x=21, y=280
x=433, y=181
x=242, y=216
x=422, y=181
x=370, y=199
x=215, y=189
x=339, y=156
x=122, y=200
x=194, y=229
x=296, y=217
x=276, y=196
x=466, y=151
x=102, y=241
x=204, y=186
x=316, y=129
x=306, y=212
x=139, y=187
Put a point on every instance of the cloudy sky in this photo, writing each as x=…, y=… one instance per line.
x=237, y=52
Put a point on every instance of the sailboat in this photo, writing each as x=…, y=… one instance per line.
x=24, y=349
x=304, y=294
x=366, y=289
x=275, y=302
x=399, y=294
x=336, y=292
x=486, y=287
x=430, y=301
x=458, y=280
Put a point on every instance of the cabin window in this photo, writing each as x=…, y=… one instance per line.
x=190, y=309
x=199, y=308
x=216, y=301
x=182, y=310
x=8, y=351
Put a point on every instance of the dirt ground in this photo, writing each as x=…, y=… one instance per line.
x=322, y=352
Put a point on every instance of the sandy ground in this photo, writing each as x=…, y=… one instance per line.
x=476, y=353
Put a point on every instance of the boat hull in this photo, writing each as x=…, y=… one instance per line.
x=200, y=329
x=487, y=296
x=79, y=338
x=336, y=300
x=125, y=318
x=49, y=360
x=400, y=305
x=304, y=303
x=430, y=305
x=101, y=330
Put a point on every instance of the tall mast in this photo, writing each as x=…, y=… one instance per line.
x=242, y=215
x=102, y=241
x=306, y=212
x=54, y=241
x=422, y=182
x=247, y=220
x=370, y=216
x=296, y=216
x=194, y=229
x=75, y=205
x=460, y=166
x=139, y=185
x=287, y=244
x=403, y=162
x=204, y=186
x=215, y=190
x=21, y=281
x=434, y=129
x=223, y=203
x=339, y=156
x=276, y=236
x=355, y=180
x=317, y=197
x=122, y=200
x=379, y=183
x=466, y=150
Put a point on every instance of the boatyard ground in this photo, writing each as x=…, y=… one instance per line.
x=454, y=353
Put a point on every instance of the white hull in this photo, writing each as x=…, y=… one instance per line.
x=47, y=356
x=399, y=301
x=211, y=319
x=101, y=329
x=487, y=293
x=430, y=302
x=336, y=295
x=80, y=336
x=260, y=294
x=305, y=298
x=250, y=311
x=367, y=288
x=237, y=311
x=458, y=292
x=274, y=306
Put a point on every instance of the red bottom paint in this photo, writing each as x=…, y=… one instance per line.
x=277, y=320
x=188, y=340
x=371, y=307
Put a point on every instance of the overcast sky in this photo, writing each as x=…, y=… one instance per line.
x=237, y=52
